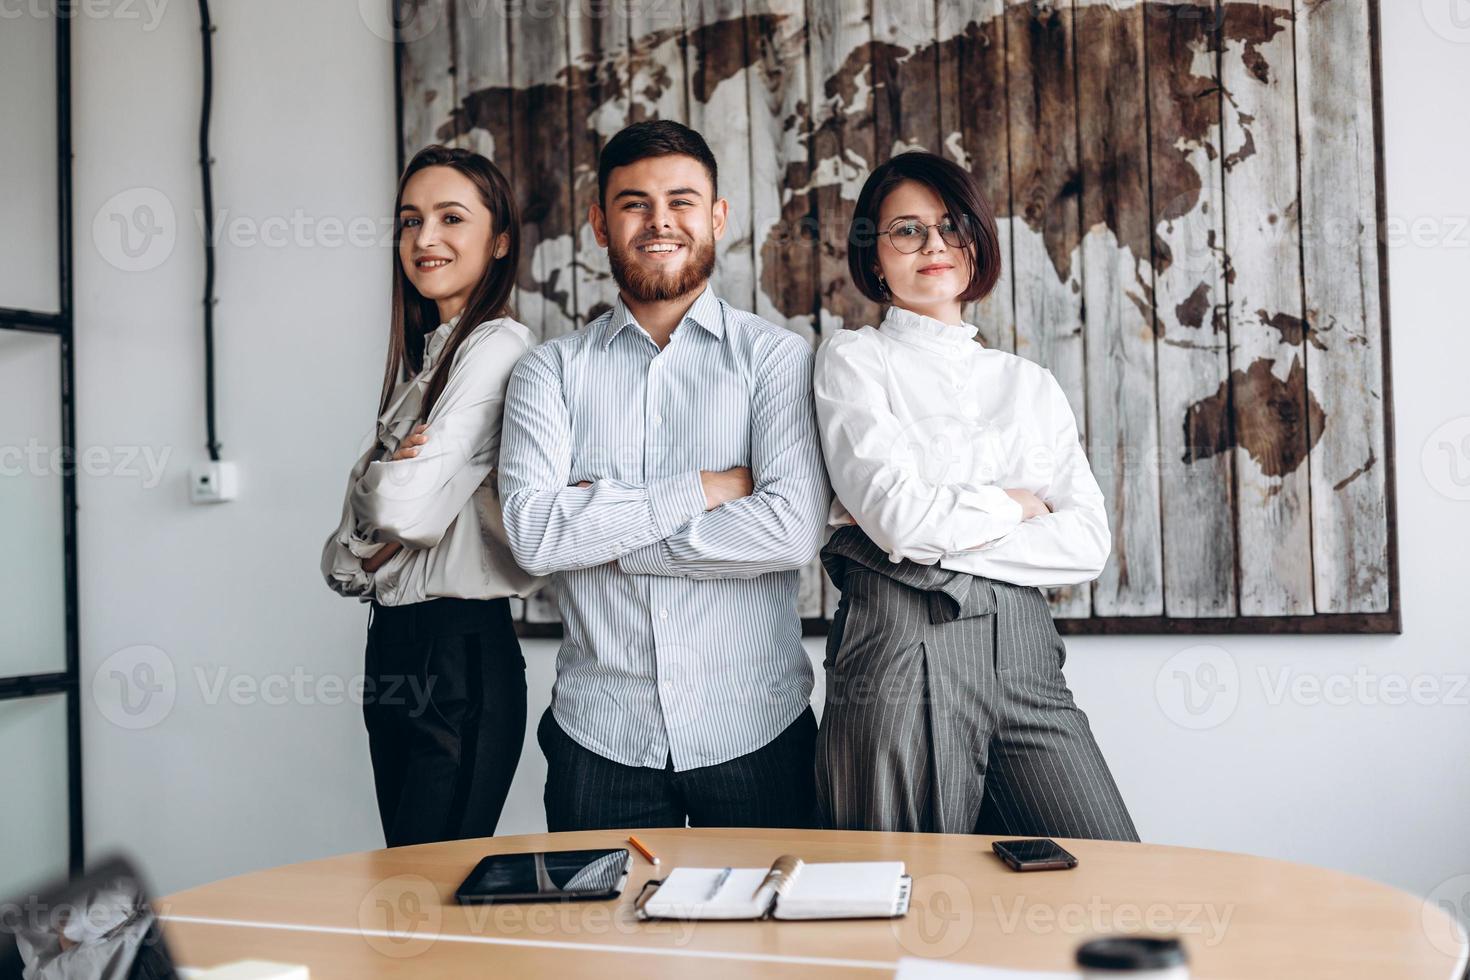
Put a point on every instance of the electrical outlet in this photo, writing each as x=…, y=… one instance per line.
x=213, y=483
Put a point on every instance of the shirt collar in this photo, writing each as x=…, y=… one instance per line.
x=706, y=312
x=434, y=342
x=926, y=331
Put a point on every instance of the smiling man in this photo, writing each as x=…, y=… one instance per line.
x=663, y=465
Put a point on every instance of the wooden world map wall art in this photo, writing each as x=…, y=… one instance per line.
x=1190, y=199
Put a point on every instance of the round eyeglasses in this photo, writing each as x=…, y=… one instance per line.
x=908, y=235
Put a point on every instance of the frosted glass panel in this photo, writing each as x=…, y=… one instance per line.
x=32, y=579
x=29, y=260
x=33, y=821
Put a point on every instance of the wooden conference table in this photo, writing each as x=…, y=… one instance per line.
x=391, y=913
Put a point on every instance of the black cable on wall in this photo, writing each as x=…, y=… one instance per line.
x=205, y=162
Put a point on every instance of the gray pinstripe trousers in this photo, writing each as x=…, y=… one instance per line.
x=947, y=710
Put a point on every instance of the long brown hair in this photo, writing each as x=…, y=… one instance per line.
x=415, y=315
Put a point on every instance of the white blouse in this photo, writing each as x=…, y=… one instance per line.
x=924, y=430
x=442, y=505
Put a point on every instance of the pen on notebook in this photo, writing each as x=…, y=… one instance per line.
x=719, y=883
x=643, y=849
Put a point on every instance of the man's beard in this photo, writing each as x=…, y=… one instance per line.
x=657, y=286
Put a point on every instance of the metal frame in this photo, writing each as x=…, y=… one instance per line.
x=60, y=325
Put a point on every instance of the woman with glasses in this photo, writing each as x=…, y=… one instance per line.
x=961, y=488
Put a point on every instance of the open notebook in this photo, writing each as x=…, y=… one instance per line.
x=789, y=889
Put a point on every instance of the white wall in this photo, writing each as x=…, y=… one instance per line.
x=304, y=121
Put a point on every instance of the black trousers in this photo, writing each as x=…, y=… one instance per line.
x=774, y=786
x=444, y=702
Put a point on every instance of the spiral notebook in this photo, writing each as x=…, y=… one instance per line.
x=789, y=889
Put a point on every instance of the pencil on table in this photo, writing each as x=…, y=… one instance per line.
x=643, y=849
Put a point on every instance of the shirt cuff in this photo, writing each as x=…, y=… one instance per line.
x=346, y=575
x=675, y=501
x=1000, y=506
x=651, y=559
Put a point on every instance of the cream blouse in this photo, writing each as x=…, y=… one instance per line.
x=442, y=505
x=924, y=430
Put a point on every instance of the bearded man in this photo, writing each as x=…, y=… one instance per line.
x=663, y=466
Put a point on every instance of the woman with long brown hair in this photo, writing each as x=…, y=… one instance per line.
x=421, y=537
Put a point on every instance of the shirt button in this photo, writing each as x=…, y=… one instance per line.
x=663, y=614
x=658, y=420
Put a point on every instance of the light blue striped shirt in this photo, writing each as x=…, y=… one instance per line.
x=681, y=632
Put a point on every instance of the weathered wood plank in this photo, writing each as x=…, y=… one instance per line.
x=842, y=150
x=1182, y=46
x=905, y=78
x=782, y=209
x=597, y=36
x=429, y=91
x=482, y=113
x=1117, y=290
x=546, y=290
x=546, y=294
x=1045, y=193
x=1261, y=415
x=1344, y=318
x=657, y=88
x=715, y=57
x=781, y=201
x=842, y=155
x=974, y=131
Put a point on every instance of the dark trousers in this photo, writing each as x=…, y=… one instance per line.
x=947, y=710
x=770, y=787
x=444, y=702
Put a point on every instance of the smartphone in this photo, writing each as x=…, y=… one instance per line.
x=1039, y=854
x=547, y=876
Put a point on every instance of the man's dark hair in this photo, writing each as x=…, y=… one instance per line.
x=654, y=138
x=964, y=203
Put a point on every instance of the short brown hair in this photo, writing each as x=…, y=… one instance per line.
x=963, y=202
x=654, y=138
